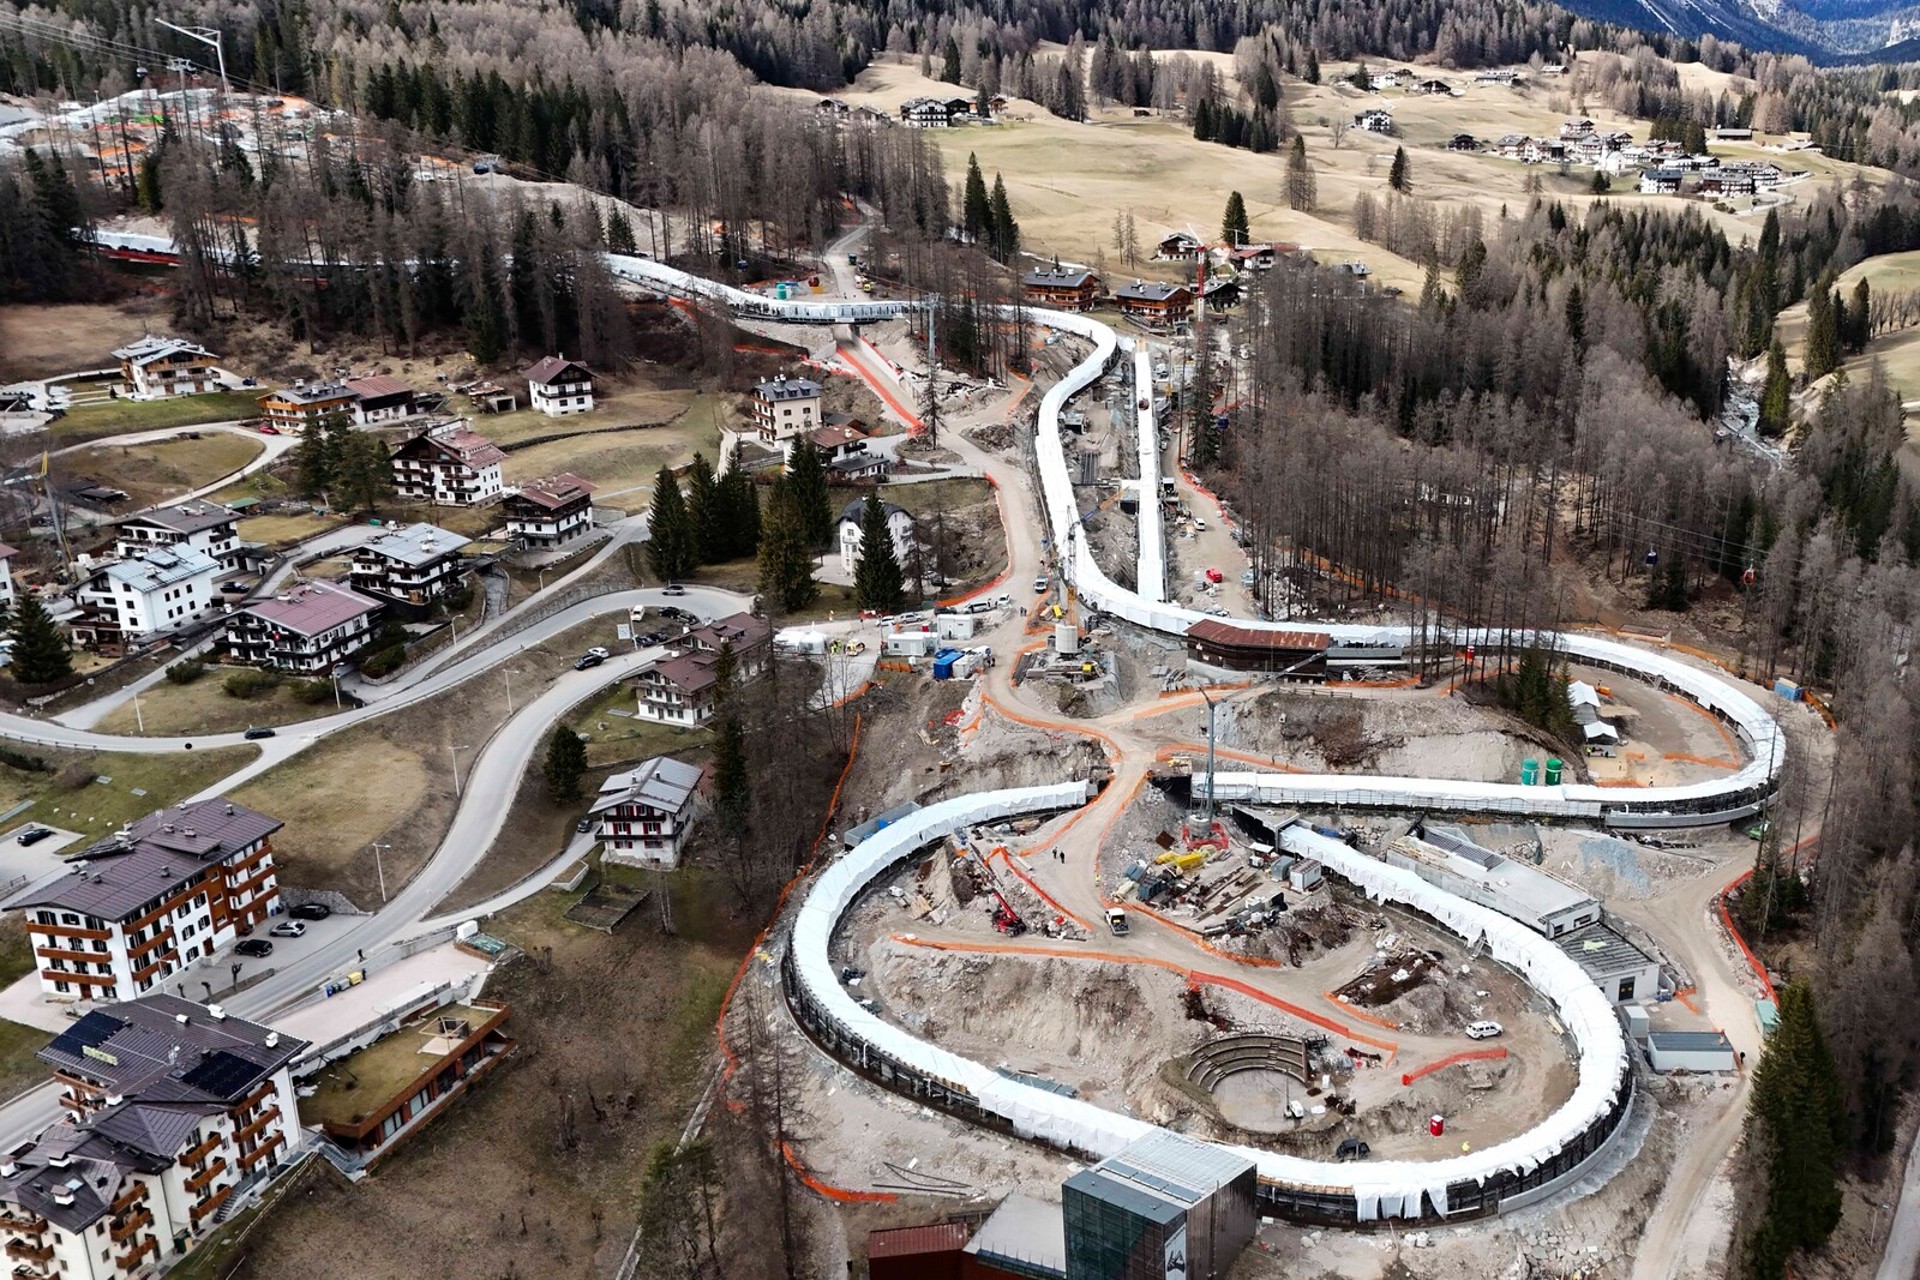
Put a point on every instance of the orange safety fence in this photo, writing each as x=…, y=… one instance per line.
x=1685, y=996
x=1085, y=731
x=1820, y=706
x=1197, y=749
x=1357, y=1012
x=1453, y=1059
x=866, y=375
x=887, y=665
x=1193, y=976
x=1043, y=895
x=1711, y=762
x=831, y=1192
x=1726, y=918
x=1733, y=748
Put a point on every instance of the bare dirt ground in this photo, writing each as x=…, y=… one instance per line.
x=43, y=341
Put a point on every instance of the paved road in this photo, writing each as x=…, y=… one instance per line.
x=1901, y=1261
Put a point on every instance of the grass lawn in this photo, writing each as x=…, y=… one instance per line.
x=163, y=470
x=169, y=710
x=621, y=739
x=97, y=809
x=620, y=464
x=118, y=417
x=283, y=531
x=19, y=1068
x=612, y=407
x=744, y=576
x=49, y=340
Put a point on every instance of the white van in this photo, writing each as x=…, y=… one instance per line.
x=1483, y=1030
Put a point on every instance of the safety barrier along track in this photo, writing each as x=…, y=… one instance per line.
x=1503, y=1176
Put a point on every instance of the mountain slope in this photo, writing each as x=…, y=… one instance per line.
x=1824, y=30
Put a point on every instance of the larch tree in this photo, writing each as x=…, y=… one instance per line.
x=1301, y=193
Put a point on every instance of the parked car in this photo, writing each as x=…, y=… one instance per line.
x=235, y=588
x=673, y=589
x=583, y=826
x=1214, y=575
x=1486, y=1030
x=1247, y=578
x=257, y=732
x=289, y=929
x=599, y=651
x=1352, y=1149
x=253, y=948
x=588, y=661
x=268, y=429
x=34, y=835
x=310, y=911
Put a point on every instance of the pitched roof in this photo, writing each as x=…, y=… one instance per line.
x=161, y=1049
x=741, y=631
x=785, y=388
x=661, y=783
x=548, y=369
x=1150, y=291
x=553, y=492
x=690, y=672
x=188, y=518
x=309, y=608
x=1215, y=632
x=150, y=348
x=856, y=510
x=377, y=386
x=162, y=567
x=1063, y=278
x=469, y=448
x=311, y=393
x=413, y=544
x=836, y=435
x=113, y=878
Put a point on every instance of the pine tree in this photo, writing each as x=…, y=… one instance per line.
x=1776, y=398
x=1398, y=177
x=786, y=558
x=878, y=583
x=670, y=536
x=1859, y=317
x=40, y=651
x=1798, y=1117
x=620, y=233
x=1312, y=73
x=740, y=508
x=486, y=317
x=705, y=516
x=1823, y=334
x=1601, y=184
x=1301, y=194
x=976, y=207
x=1234, y=228
x=1006, y=232
x=732, y=784
x=950, y=61
x=1576, y=316
x=566, y=764
x=807, y=485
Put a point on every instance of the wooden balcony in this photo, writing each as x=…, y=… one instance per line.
x=211, y=1203
x=260, y=1122
x=137, y=1220
x=131, y=1258
x=68, y=931
x=259, y=1153
x=40, y=1253
x=201, y=1152
x=206, y=1175
x=32, y=1224
x=159, y=962
x=71, y=957
x=160, y=939
x=134, y=1194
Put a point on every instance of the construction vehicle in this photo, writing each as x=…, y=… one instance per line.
x=1117, y=922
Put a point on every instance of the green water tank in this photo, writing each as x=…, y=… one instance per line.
x=1554, y=766
x=1529, y=773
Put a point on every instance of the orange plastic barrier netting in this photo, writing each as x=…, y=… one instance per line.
x=1453, y=1059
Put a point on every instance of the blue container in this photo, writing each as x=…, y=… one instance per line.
x=943, y=663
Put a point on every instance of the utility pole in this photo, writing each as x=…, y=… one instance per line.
x=931, y=420
x=453, y=755
x=209, y=36
x=1208, y=811
x=380, y=869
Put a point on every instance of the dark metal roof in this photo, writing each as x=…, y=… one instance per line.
x=154, y=1056
x=113, y=878
x=187, y=518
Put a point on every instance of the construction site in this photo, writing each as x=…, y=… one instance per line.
x=1168, y=886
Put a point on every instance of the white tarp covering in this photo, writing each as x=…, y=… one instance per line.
x=1151, y=570
x=1381, y=1189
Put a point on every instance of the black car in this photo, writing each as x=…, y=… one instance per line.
x=588, y=661
x=310, y=911
x=583, y=826
x=236, y=588
x=34, y=835
x=254, y=948
x=1353, y=1149
x=259, y=732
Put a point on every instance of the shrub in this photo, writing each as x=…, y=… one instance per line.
x=457, y=599
x=247, y=685
x=313, y=692
x=186, y=671
x=22, y=761
x=74, y=777
x=383, y=661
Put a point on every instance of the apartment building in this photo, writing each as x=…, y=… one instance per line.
x=173, y=1108
x=785, y=408
x=175, y=887
x=162, y=590
x=413, y=564
x=307, y=628
x=454, y=466
x=207, y=527
x=643, y=816
x=294, y=409
x=156, y=368
x=550, y=512
x=557, y=386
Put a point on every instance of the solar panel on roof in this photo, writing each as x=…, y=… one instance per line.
x=221, y=1074
x=90, y=1032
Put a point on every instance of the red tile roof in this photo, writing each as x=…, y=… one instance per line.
x=376, y=385
x=912, y=1242
x=1227, y=635
x=555, y=491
